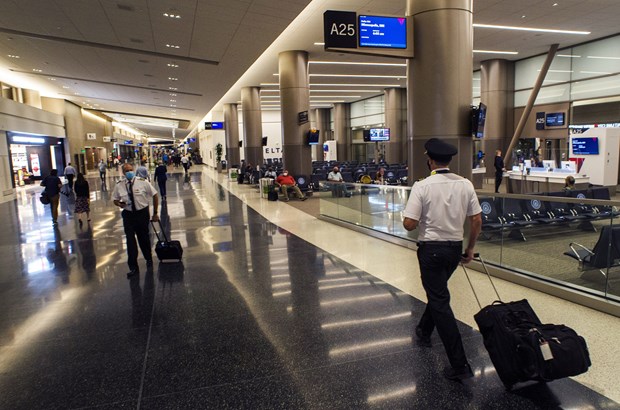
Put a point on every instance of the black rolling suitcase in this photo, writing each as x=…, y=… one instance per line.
x=522, y=348
x=167, y=251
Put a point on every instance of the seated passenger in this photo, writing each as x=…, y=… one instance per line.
x=286, y=182
x=569, y=184
x=338, y=186
x=380, y=177
x=271, y=173
x=26, y=177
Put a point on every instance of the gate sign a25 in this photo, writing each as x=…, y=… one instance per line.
x=340, y=29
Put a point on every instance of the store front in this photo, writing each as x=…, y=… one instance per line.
x=32, y=157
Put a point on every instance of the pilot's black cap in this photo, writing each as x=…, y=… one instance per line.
x=439, y=150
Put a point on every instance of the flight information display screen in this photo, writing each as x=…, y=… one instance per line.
x=383, y=32
x=585, y=146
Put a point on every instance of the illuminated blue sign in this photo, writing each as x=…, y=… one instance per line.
x=214, y=125
x=383, y=32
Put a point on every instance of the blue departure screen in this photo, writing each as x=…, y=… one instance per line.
x=585, y=146
x=217, y=125
x=385, y=32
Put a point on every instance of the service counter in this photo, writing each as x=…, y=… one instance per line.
x=518, y=183
x=477, y=176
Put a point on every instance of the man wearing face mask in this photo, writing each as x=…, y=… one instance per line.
x=286, y=181
x=338, y=186
x=439, y=205
x=133, y=195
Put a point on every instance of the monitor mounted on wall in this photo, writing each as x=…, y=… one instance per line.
x=264, y=142
x=313, y=137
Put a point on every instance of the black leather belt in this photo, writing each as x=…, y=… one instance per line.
x=441, y=243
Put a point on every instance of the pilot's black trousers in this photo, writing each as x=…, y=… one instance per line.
x=437, y=263
x=136, y=224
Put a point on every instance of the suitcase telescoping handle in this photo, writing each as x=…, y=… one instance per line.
x=161, y=230
x=484, y=266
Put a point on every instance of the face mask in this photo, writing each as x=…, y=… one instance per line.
x=285, y=174
x=129, y=175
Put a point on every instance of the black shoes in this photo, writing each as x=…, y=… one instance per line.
x=424, y=340
x=304, y=198
x=133, y=273
x=458, y=374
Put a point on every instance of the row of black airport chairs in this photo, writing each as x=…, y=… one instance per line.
x=512, y=215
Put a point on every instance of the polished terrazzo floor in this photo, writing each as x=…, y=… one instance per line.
x=256, y=317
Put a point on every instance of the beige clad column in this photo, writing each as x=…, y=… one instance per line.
x=252, y=125
x=323, y=125
x=294, y=98
x=439, y=82
x=31, y=98
x=497, y=93
x=342, y=131
x=396, y=121
x=231, y=131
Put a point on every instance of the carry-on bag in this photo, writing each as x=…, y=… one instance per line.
x=521, y=347
x=272, y=195
x=167, y=251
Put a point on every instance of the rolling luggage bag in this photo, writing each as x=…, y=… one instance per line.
x=522, y=348
x=167, y=251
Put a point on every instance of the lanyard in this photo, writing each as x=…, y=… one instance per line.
x=441, y=171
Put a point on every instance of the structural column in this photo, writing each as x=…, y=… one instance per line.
x=396, y=121
x=439, y=82
x=294, y=99
x=252, y=125
x=497, y=93
x=231, y=131
x=342, y=130
x=323, y=125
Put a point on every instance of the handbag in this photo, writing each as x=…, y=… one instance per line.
x=44, y=198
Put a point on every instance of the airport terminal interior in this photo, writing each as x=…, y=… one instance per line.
x=311, y=302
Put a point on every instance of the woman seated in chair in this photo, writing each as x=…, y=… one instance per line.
x=380, y=177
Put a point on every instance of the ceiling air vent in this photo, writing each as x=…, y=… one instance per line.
x=125, y=7
x=136, y=40
x=148, y=75
x=144, y=61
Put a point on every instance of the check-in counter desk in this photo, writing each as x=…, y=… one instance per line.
x=477, y=176
x=519, y=183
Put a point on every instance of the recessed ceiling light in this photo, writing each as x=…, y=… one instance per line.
x=495, y=52
x=173, y=95
x=12, y=56
x=172, y=65
x=555, y=4
x=76, y=93
x=353, y=85
x=65, y=87
x=523, y=16
x=346, y=91
x=173, y=14
x=36, y=70
x=173, y=100
x=604, y=57
x=173, y=79
x=319, y=44
x=173, y=88
x=172, y=46
x=542, y=30
x=568, y=56
x=52, y=79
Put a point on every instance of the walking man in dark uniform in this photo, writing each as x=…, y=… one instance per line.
x=499, y=170
x=133, y=195
x=439, y=205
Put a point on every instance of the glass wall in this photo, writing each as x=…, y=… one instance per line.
x=370, y=111
x=582, y=72
x=571, y=241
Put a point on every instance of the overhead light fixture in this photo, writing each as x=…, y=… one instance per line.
x=604, y=57
x=358, y=75
x=319, y=44
x=269, y=84
x=345, y=91
x=595, y=72
x=495, y=52
x=173, y=79
x=353, y=85
x=172, y=46
x=172, y=94
x=12, y=56
x=36, y=70
x=30, y=140
x=558, y=71
x=567, y=56
x=269, y=96
x=359, y=63
x=335, y=96
x=51, y=79
x=541, y=30
x=173, y=100
x=172, y=65
x=173, y=88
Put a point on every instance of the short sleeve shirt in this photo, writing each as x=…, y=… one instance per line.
x=142, y=190
x=334, y=176
x=441, y=203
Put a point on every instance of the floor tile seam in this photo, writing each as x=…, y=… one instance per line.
x=147, y=348
x=101, y=405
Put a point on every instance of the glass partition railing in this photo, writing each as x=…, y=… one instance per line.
x=568, y=239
